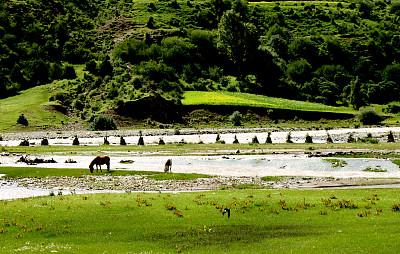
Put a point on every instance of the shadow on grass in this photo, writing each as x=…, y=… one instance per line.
x=230, y=234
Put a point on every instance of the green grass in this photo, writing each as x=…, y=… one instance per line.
x=23, y=172
x=252, y=100
x=262, y=221
x=33, y=104
x=336, y=162
x=376, y=169
x=272, y=178
x=397, y=162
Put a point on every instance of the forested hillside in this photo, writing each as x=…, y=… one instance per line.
x=138, y=53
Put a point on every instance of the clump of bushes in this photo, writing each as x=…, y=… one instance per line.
x=236, y=118
x=22, y=120
x=102, y=122
x=393, y=107
x=369, y=117
x=24, y=142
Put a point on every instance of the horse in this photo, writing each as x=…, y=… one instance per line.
x=168, y=166
x=98, y=161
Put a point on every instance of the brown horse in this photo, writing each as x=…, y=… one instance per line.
x=168, y=166
x=98, y=161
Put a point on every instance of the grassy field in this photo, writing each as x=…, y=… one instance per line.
x=33, y=103
x=23, y=172
x=252, y=100
x=261, y=221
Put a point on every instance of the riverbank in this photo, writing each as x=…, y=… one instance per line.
x=31, y=187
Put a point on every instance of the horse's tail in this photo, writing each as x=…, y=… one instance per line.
x=108, y=163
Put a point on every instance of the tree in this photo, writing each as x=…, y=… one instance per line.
x=22, y=120
x=236, y=39
x=356, y=98
x=236, y=118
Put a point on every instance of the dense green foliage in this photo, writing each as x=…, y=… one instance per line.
x=336, y=53
x=261, y=221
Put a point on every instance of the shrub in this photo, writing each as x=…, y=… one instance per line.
x=370, y=117
x=235, y=141
x=22, y=120
x=103, y=122
x=268, y=140
x=289, y=138
x=44, y=142
x=393, y=107
x=329, y=138
x=69, y=72
x=122, y=141
x=390, y=138
x=24, y=143
x=255, y=140
x=141, y=141
x=75, y=142
x=350, y=139
x=236, y=118
x=308, y=139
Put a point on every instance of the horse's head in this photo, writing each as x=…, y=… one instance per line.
x=91, y=168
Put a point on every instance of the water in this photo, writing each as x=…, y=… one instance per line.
x=236, y=165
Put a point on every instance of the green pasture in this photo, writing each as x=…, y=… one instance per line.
x=252, y=100
x=261, y=221
x=27, y=172
x=34, y=104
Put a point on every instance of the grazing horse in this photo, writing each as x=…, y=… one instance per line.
x=168, y=166
x=98, y=161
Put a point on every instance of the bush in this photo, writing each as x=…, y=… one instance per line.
x=308, y=139
x=268, y=140
x=370, y=117
x=289, y=138
x=236, y=118
x=103, y=122
x=69, y=72
x=22, y=120
x=393, y=107
x=44, y=142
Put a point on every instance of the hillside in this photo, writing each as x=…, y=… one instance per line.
x=338, y=53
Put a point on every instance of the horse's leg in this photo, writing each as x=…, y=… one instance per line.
x=100, y=169
x=108, y=166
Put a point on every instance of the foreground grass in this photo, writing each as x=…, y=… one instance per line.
x=252, y=100
x=33, y=103
x=22, y=172
x=262, y=221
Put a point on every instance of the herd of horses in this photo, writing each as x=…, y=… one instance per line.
x=105, y=160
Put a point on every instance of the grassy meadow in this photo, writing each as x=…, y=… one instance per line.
x=29, y=172
x=34, y=104
x=261, y=221
x=252, y=100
